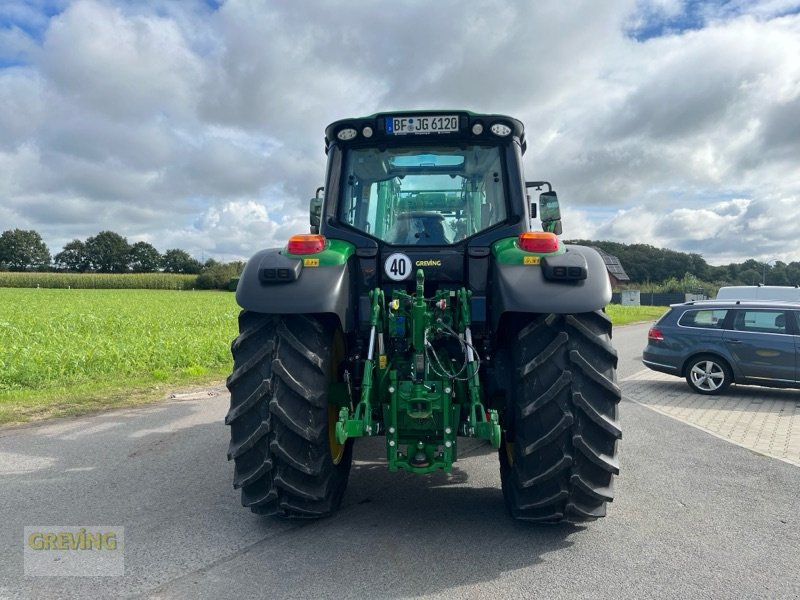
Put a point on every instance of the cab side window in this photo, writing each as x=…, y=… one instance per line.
x=760, y=321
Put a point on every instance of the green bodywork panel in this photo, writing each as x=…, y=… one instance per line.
x=336, y=252
x=425, y=392
x=508, y=252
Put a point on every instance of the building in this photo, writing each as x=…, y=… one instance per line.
x=616, y=274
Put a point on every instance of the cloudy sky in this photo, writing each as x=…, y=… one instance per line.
x=199, y=125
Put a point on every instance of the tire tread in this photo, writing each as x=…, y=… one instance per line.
x=279, y=417
x=563, y=419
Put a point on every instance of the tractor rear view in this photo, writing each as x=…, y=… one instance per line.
x=423, y=308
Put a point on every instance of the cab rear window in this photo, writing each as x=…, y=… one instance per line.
x=705, y=319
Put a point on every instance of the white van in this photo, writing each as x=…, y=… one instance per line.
x=759, y=292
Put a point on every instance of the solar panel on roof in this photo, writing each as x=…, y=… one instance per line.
x=613, y=265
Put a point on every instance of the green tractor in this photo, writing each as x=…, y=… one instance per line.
x=423, y=308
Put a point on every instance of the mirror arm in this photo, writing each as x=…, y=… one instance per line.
x=538, y=185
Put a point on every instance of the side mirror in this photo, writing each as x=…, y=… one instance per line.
x=550, y=212
x=315, y=211
x=536, y=185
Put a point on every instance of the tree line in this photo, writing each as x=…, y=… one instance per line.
x=647, y=264
x=107, y=252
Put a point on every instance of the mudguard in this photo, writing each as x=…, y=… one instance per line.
x=524, y=288
x=277, y=284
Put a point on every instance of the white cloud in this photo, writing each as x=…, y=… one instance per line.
x=198, y=128
x=128, y=67
x=22, y=106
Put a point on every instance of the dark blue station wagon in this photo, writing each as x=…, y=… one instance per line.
x=716, y=343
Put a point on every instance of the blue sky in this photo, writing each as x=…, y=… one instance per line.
x=656, y=23
x=199, y=124
x=658, y=19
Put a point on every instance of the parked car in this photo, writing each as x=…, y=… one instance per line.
x=715, y=343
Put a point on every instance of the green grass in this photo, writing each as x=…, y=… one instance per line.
x=622, y=315
x=71, y=351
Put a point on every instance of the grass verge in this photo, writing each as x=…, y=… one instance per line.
x=27, y=406
x=624, y=315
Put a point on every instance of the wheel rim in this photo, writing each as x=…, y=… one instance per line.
x=337, y=355
x=510, y=453
x=336, y=449
x=707, y=375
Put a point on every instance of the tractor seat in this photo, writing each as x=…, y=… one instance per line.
x=423, y=228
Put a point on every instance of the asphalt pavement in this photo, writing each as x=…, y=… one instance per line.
x=696, y=516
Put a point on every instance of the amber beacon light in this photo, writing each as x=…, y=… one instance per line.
x=538, y=241
x=306, y=243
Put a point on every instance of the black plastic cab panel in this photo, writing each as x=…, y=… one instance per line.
x=440, y=265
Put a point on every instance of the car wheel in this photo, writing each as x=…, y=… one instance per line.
x=708, y=375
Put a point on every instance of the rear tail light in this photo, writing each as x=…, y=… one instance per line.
x=655, y=335
x=538, y=241
x=306, y=243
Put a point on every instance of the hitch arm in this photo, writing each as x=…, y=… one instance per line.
x=361, y=422
x=482, y=424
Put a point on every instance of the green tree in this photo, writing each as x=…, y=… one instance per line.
x=144, y=258
x=23, y=250
x=749, y=276
x=179, y=261
x=217, y=275
x=73, y=257
x=793, y=273
x=108, y=252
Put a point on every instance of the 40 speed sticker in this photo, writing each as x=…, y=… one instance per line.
x=397, y=267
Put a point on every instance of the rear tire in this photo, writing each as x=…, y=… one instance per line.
x=559, y=455
x=286, y=462
x=708, y=375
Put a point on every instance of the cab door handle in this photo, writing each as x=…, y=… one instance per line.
x=734, y=341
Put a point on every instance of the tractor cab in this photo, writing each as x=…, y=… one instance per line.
x=416, y=179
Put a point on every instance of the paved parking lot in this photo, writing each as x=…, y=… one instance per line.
x=761, y=419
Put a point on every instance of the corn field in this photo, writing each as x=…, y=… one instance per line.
x=98, y=281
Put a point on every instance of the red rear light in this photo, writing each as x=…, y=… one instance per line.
x=306, y=243
x=655, y=335
x=538, y=241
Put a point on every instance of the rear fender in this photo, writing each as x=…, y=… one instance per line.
x=524, y=288
x=278, y=284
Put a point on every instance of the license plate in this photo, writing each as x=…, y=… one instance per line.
x=422, y=125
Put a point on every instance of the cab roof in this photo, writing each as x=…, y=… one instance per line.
x=381, y=127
